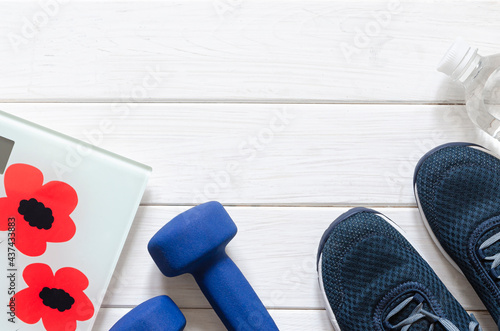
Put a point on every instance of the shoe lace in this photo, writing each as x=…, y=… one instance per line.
x=420, y=313
x=495, y=258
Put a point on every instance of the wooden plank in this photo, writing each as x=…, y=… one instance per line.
x=290, y=320
x=236, y=50
x=485, y=320
x=267, y=154
x=276, y=250
x=207, y=320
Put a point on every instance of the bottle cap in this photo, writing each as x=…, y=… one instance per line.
x=457, y=57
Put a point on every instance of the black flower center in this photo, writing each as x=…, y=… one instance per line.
x=36, y=214
x=56, y=299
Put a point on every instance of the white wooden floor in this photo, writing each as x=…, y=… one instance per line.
x=288, y=112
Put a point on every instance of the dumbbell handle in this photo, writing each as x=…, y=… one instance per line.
x=232, y=297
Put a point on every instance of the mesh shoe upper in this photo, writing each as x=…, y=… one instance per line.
x=374, y=279
x=458, y=189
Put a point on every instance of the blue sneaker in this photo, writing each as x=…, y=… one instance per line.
x=457, y=187
x=373, y=279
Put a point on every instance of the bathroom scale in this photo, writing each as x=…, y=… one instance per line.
x=66, y=208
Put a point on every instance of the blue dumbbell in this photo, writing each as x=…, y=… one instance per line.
x=156, y=314
x=194, y=242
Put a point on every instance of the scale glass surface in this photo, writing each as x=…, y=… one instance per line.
x=66, y=208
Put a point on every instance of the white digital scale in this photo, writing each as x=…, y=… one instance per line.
x=66, y=208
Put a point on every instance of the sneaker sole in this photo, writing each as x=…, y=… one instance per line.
x=415, y=191
x=324, y=238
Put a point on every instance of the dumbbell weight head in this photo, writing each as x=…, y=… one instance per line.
x=159, y=313
x=192, y=239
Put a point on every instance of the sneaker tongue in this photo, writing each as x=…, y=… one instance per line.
x=490, y=250
x=493, y=249
x=422, y=324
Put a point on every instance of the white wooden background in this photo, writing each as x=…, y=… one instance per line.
x=289, y=112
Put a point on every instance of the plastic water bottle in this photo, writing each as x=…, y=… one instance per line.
x=480, y=76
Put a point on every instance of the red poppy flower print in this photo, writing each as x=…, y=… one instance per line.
x=57, y=299
x=41, y=213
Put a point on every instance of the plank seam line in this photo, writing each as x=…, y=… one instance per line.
x=253, y=102
x=272, y=309
x=285, y=205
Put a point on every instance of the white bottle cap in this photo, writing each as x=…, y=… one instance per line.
x=457, y=57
